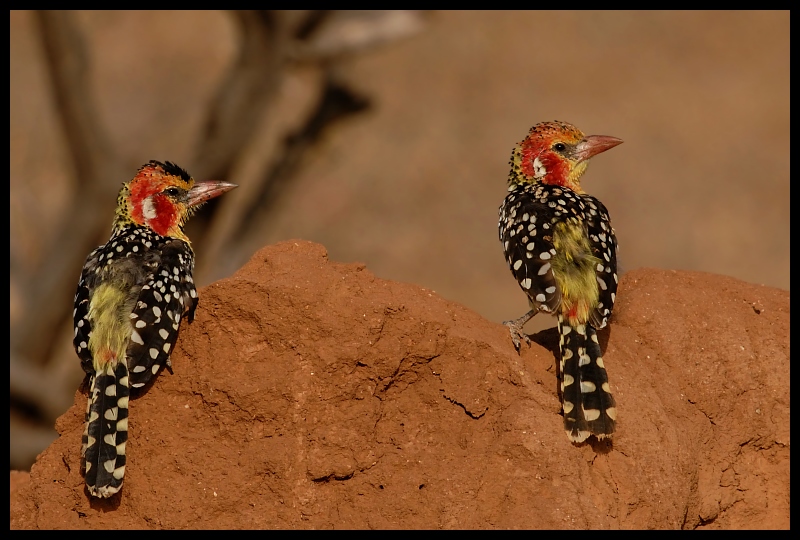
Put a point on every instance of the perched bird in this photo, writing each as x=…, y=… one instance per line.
x=560, y=246
x=131, y=297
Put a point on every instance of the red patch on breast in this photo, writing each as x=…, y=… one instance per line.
x=569, y=310
x=573, y=312
x=105, y=356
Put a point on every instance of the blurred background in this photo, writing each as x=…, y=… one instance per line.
x=384, y=136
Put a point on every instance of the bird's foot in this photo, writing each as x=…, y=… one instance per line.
x=515, y=327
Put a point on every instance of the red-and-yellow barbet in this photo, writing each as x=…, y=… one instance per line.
x=561, y=248
x=133, y=293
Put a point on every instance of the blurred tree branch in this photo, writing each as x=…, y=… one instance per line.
x=242, y=96
x=316, y=40
x=93, y=163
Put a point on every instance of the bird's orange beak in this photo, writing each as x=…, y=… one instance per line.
x=205, y=191
x=594, y=144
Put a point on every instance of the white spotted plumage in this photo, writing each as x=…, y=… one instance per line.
x=568, y=265
x=544, y=211
x=541, y=202
x=132, y=295
x=135, y=258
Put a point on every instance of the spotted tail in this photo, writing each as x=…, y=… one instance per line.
x=586, y=399
x=106, y=430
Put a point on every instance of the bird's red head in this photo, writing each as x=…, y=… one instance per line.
x=162, y=196
x=556, y=153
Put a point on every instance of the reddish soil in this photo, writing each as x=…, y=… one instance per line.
x=311, y=394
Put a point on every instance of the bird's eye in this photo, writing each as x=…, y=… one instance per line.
x=559, y=147
x=172, y=192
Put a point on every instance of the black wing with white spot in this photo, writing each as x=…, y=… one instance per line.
x=167, y=295
x=604, y=247
x=526, y=218
x=124, y=261
x=80, y=314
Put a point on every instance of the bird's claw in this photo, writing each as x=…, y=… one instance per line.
x=517, y=335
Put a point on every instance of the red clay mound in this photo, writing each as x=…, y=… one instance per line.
x=311, y=394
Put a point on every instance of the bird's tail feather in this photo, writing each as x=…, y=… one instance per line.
x=586, y=399
x=106, y=431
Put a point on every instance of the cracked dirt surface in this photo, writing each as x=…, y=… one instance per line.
x=311, y=394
